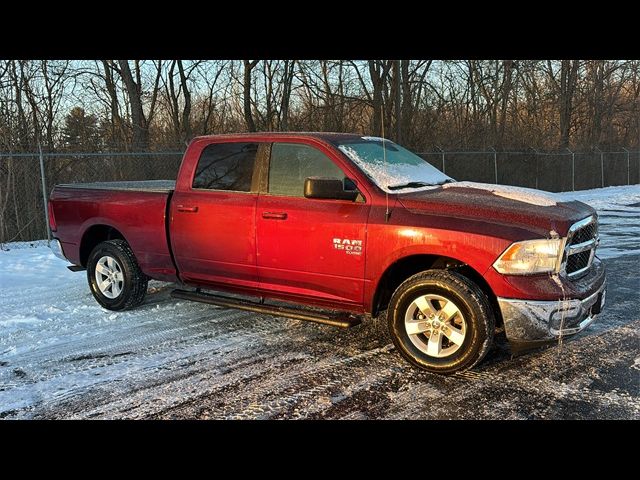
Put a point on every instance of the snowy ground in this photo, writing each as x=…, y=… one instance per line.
x=62, y=356
x=619, y=216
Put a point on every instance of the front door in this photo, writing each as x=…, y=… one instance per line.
x=213, y=223
x=309, y=247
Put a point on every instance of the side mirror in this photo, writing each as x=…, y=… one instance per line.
x=329, y=188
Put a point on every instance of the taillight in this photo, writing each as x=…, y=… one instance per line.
x=52, y=218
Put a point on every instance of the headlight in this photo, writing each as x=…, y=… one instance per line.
x=530, y=256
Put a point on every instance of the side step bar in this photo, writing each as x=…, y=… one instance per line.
x=344, y=320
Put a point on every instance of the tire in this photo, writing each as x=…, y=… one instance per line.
x=127, y=285
x=441, y=322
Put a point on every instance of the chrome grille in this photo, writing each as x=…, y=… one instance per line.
x=585, y=233
x=580, y=247
x=578, y=261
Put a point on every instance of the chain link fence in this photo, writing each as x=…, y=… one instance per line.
x=22, y=204
x=554, y=172
x=24, y=176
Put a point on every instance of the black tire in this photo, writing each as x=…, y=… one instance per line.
x=134, y=285
x=472, y=304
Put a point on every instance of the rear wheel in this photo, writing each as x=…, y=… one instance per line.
x=114, y=276
x=441, y=322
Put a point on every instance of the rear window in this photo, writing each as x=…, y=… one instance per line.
x=226, y=166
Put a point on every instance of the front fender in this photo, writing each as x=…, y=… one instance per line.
x=388, y=243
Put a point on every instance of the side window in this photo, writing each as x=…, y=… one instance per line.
x=226, y=166
x=291, y=163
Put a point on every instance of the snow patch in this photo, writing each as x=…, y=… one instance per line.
x=620, y=199
x=521, y=194
x=618, y=215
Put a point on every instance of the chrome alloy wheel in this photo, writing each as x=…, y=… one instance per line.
x=435, y=325
x=109, y=278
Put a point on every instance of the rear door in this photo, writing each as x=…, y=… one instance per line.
x=213, y=222
x=309, y=247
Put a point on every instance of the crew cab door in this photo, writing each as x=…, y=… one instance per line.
x=313, y=248
x=213, y=219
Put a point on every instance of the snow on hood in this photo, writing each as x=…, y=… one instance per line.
x=522, y=209
x=388, y=174
x=521, y=194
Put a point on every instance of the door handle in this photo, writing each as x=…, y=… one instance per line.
x=274, y=215
x=187, y=209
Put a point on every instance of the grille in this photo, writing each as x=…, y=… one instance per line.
x=585, y=234
x=578, y=261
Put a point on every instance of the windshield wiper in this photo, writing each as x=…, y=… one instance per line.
x=411, y=185
x=418, y=184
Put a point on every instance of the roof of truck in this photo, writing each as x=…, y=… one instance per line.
x=326, y=136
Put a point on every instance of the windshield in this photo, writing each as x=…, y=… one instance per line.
x=402, y=170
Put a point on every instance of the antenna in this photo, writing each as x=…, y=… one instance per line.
x=387, y=213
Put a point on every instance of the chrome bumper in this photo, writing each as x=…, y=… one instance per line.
x=531, y=322
x=56, y=248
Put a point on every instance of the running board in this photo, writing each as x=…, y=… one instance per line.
x=343, y=320
x=76, y=268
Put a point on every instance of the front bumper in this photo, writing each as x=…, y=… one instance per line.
x=530, y=323
x=56, y=248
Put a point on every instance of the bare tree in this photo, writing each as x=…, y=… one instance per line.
x=140, y=120
x=216, y=80
x=449, y=103
x=178, y=99
x=413, y=86
x=379, y=72
x=568, y=83
x=246, y=85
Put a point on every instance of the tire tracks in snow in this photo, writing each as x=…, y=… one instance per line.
x=173, y=348
x=297, y=386
x=540, y=382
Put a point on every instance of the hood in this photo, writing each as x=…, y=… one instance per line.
x=533, y=210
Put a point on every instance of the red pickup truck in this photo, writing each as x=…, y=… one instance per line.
x=353, y=224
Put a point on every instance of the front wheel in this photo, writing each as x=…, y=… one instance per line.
x=441, y=322
x=114, y=276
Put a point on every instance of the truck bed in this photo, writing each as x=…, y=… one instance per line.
x=87, y=213
x=157, y=186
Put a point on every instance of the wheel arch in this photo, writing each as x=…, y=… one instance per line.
x=94, y=235
x=407, y=266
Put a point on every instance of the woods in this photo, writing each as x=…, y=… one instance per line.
x=555, y=125
x=140, y=105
